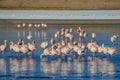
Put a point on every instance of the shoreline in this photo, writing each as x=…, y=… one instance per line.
x=20, y=21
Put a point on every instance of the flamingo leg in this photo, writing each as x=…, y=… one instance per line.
x=2, y=53
x=26, y=55
x=62, y=57
x=19, y=55
x=94, y=54
x=71, y=57
x=32, y=54
x=80, y=57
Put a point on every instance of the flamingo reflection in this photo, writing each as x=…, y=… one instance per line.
x=2, y=65
x=106, y=67
x=26, y=64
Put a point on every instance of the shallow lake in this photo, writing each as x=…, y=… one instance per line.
x=101, y=67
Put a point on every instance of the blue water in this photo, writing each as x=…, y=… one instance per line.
x=52, y=68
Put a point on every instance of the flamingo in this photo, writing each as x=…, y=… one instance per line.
x=104, y=49
x=29, y=37
x=93, y=36
x=52, y=41
x=65, y=50
x=67, y=35
x=44, y=26
x=114, y=38
x=71, y=30
x=45, y=52
x=63, y=43
x=23, y=24
x=56, y=36
x=62, y=29
x=93, y=47
x=80, y=52
x=11, y=45
x=53, y=50
x=19, y=42
x=16, y=48
x=44, y=44
x=24, y=48
x=71, y=37
x=38, y=25
x=3, y=47
x=111, y=50
x=85, y=35
x=35, y=25
x=18, y=25
x=32, y=47
x=29, y=25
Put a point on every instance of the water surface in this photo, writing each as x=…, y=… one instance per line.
x=34, y=68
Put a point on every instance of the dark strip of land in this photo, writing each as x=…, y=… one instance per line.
x=59, y=4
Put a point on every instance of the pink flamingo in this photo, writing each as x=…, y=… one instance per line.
x=32, y=47
x=93, y=36
x=24, y=48
x=114, y=38
x=46, y=52
x=44, y=44
x=3, y=47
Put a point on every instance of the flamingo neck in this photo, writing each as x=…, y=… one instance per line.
x=5, y=43
x=11, y=43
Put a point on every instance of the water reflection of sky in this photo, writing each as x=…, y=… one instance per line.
x=99, y=68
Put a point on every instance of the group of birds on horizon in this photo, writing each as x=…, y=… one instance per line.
x=63, y=43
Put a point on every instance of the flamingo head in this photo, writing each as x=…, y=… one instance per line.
x=52, y=41
x=75, y=43
x=5, y=40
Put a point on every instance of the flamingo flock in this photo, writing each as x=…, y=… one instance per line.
x=62, y=43
x=20, y=47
